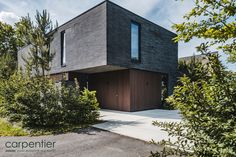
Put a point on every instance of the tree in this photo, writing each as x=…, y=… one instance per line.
x=38, y=103
x=213, y=20
x=206, y=97
x=8, y=40
x=38, y=35
x=8, y=50
x=208, y=109
x=194, y=69
x=7, y=66
x=24, y=29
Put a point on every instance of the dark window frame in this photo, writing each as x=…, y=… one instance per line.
x=139, y=42
x=62, y=48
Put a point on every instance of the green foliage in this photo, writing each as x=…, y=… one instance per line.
x=79, y=106
x=38, y=102
x=7, y=129
x=205, y=95
x=90, y=105
x=194, y=69
x=208, y=107
x=213, y=20
x=8, y=40
x=38, y=35
x=164, y=93
x=24, y=29
x=7, y=66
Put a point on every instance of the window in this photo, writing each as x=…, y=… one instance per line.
x=63, y=48
x=135, y=41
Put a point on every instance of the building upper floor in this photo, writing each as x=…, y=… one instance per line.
x=108, y=37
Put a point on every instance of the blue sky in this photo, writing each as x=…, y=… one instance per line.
x=162, y=12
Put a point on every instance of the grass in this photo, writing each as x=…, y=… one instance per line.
x=7, y=129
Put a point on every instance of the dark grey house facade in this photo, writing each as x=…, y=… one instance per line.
x=121, y=55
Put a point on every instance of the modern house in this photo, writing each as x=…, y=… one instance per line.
x=200, y=58
x=121, y=55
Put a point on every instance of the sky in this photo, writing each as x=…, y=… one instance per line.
x=161, y=12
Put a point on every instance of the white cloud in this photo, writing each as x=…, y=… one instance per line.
x=8, y=17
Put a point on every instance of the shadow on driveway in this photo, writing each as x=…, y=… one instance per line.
x=88, y=142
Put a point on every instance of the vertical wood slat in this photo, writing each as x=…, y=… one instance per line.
x=127, y=90
x=145, y=90
x=113, y=89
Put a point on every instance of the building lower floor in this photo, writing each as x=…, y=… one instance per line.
x=123, y=90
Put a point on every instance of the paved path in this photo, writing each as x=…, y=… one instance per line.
x=138, y=124
x=86, y=143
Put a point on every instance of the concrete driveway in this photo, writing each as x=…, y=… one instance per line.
x=138, y=124
x=84, y=143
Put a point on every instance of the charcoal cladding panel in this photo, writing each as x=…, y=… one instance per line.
x=158, y=52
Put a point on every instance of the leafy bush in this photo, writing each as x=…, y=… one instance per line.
x=164, y=93
x=7, y=129
x=208, y=107
x=193, y=69
x=38, y=102
x=79, y=106
x=7, y=66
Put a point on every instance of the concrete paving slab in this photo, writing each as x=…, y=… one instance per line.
x=138, y=124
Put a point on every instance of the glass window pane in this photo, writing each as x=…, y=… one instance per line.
x=135, y=41
x=63, y=48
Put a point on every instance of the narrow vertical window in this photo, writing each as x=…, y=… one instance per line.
x=63, y=48
x=135, y=42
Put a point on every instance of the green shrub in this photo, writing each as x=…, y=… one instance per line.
x=32, y=101
x=193, y=69
x=208, y=107
x=7, y=129
x=89, y=105
x=79, y=106
x=7, y=65
x=38, y=102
